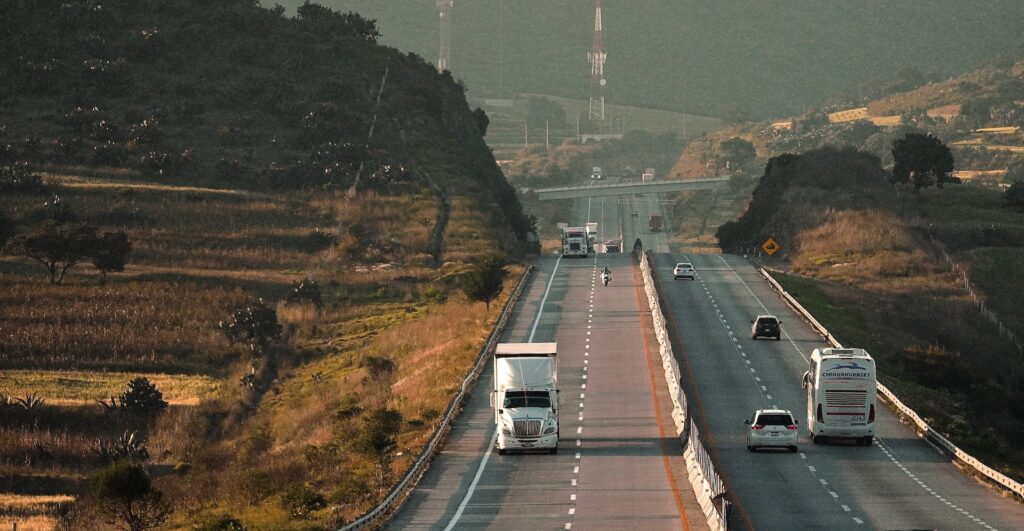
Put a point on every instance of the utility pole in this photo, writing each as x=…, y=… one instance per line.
x=547, y=136
x=597, y=57
x=444, y=54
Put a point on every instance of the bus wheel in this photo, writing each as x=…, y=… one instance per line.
x=815, y=440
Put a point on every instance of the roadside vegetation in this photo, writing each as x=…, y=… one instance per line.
x=282, y=316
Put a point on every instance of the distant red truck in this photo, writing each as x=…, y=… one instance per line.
x=655, y=223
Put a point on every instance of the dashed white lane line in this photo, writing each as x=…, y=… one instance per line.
x=889, y=453
x=763, y=389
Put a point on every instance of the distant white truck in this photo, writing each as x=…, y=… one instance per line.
x=525, y=397
x=647, y=175
x=591, y=227
x=597, y=173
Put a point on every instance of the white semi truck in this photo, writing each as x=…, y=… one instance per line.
x=591, y=227
x=525, y=397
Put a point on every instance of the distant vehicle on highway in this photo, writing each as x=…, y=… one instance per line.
x=647, y=175
x=683, y=270
x=597, y=173
x=574, y=242
x=772, y=428
x=654, y=224
x=612, y=246
x=841, y=385
x=766, y=326
x=634, y=214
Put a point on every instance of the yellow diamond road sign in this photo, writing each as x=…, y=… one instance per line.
x=770, y=246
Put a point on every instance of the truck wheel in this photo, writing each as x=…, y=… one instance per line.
x=815, y=440
x=750, y=448
x=778, y=338
x=501, y=451
x=553, y=451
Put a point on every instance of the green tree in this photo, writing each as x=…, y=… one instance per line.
x=141, y=396
x=377, y=440
x=737, y=152
x=110, y=253
x=921, y=160
x=1014, y=196
x=484, y=281
x=306, y=290
x=56, y=246
x=481, y=120
x=300, y=500
x=126, y=498
x=328, y=22
x=255, y=325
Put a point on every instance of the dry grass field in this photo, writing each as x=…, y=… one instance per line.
x=198, y=253
x=70, y=388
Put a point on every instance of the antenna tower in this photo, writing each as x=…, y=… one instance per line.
x=597, y=56
x=444, y=55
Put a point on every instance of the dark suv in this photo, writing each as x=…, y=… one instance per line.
x=766, y=326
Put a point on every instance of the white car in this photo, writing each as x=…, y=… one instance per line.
x=772, y=428
x=683, y=270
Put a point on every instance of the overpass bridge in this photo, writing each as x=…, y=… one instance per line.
x=605, y=190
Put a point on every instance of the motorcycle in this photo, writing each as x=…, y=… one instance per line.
x=605, y=277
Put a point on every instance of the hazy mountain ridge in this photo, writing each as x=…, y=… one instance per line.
x=767, y=58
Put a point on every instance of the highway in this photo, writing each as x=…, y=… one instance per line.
x=619, y=463
x=900, y=482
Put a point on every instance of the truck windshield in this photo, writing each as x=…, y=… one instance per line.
x=514, y=399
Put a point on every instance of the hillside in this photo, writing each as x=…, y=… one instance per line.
x=764, y=58
x=918, y=277
x=247, y=297
x=275, y=103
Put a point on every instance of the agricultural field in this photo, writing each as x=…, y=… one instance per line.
x=197, y=254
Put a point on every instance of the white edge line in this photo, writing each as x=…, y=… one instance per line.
x=472, y=486
x=494, y=438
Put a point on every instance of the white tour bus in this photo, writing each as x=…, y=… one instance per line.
x=841, y=386
x=574, y=241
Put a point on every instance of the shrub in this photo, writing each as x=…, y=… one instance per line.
x=218, y=522
x=1014, y=196
x=126, y=497
x=125, y=447
x=255, y=325
x=19, y=178
x=142, y=397
x=300, y=500
x=305, y=291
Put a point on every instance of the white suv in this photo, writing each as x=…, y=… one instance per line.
x=683, y=270
x=772, y=428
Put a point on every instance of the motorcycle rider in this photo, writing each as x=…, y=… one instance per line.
x=606, y=276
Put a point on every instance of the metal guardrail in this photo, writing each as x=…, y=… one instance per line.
x=927, y=431
x=706, y=483
x=395, y=497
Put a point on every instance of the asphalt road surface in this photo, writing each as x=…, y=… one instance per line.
x=619, y=463
x=899, y=482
